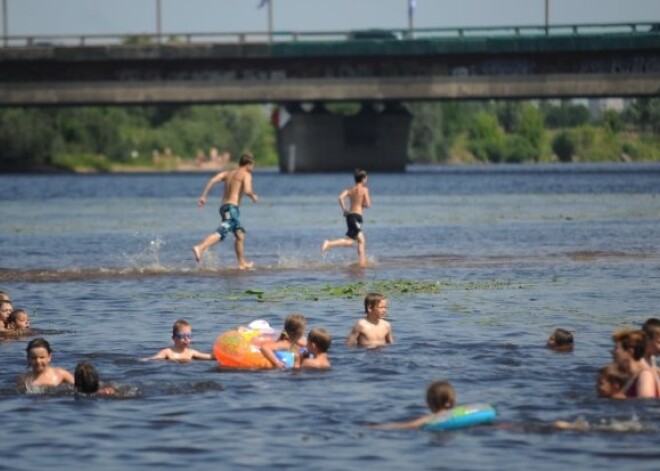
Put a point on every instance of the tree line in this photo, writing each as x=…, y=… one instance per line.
x=107, y=138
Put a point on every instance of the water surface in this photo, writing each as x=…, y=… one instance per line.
x=495, y=257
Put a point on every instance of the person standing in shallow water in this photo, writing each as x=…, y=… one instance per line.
x=358, y=196
x=236, y=184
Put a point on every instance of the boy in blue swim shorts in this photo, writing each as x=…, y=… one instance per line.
x=236, y=184
x=358, y=196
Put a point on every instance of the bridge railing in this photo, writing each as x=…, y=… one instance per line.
x=77, y=40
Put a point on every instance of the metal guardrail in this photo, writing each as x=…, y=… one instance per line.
x=76, y=40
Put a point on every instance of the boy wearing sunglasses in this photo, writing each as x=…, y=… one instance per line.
x=181, y=351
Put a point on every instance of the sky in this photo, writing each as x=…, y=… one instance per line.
x=50, y=17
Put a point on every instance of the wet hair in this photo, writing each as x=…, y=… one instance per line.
x=633, y=341
x=38, y=343
x=321, y=338
x=178, y=324
x=371, y=300
x=86, y=378
x=651, y=327
x=561, y=339
x=4, y=296
x=246, y=159
x=613, y=374
x=14, y=316
x=294, y=327
x=359, y=175
x=440, y=395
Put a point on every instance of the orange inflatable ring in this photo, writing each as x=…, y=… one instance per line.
x=240, y=349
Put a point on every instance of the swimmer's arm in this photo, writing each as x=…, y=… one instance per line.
x=247, y=188
x=65, y=376
x=211, y=183
x=107, y=391
x=579, y=425
x=389, y=338
x=366, y=200
x=313, y=364
x=196, y=355
x=270, y=356
x=21, y=382
x=352, y=339
x=164, y=354
x=342, y=197
x=417, y=423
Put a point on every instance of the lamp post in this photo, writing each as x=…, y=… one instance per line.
x=547, y=15
x=411, y=17
x=5, y=23
x=159, y=28
x=270, y=21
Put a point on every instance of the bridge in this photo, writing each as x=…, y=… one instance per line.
x=289, y=68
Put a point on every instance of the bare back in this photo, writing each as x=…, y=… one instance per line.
x=237, y=183
x=358, y=196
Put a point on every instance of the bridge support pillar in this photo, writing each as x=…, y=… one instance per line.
x=321, y=141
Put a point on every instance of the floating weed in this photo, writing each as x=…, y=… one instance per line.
x=357, y=289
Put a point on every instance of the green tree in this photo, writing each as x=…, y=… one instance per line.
x=566, y=115
x=531, y=126
x=564, y=145
x=486, y=138
x=612, y=122
x=519, y=150
x=427, y=139
x=25, y=137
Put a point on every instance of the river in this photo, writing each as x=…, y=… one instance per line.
x=480, y=264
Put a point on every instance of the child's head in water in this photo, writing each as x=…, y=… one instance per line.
x=371, y=300
x=294, y=327
x=611, y=380
x=561, y=340
x=87, y=381
x=38, y=354
x=651, y=328
x=86, y=378
x=440, y=395
x=318, y=341
x=18, y=320
x=181, y=333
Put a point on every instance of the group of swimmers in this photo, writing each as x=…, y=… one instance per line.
x=310, y=352
x=633, y=372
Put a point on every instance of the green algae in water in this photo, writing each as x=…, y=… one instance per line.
x=358, y=289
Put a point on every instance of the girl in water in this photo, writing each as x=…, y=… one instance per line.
x=42, y=374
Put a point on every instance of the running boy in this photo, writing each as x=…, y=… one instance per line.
x=358, y=196
x=318, y=344
x=372, y=331
x=237, y=183
x=181, y=351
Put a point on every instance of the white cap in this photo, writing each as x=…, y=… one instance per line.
x=262, y=326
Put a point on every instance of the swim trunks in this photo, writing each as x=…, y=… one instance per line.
x=354, y=224
x=229, y=214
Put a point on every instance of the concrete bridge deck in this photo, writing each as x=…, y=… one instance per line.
x=393, y=65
